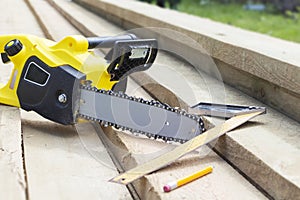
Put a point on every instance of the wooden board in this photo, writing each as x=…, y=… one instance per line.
x=93, y=25
x=15, y=18
x=66, y=164
x=12, y=182
x=48, y=19
x=223, y=42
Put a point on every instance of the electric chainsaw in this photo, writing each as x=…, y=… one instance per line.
x=67, y=81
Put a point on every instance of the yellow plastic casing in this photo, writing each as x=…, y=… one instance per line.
x=71, y=50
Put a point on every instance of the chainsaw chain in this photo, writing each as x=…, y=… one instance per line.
x=143, y=101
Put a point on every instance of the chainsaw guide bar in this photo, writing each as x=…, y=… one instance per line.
x=137, y=115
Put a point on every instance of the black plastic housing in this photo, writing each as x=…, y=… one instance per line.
x=40, y=87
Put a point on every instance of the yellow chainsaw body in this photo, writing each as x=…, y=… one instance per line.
x=71, y=50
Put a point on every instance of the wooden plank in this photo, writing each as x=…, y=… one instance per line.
x=12, y=182
x=222, y=41
x=49, y=21
x=15, y=18
x=276, y=175
x=101, y=27
x=65, y=162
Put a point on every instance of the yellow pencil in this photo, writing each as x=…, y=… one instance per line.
x=175, y=184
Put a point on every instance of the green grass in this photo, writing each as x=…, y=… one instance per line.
x=267, y=22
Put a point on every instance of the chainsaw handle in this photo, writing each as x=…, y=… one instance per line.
x=108, y=42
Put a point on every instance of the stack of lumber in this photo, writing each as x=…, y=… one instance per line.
x=40, y=159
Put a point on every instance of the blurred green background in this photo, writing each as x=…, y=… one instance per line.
x=278, y=18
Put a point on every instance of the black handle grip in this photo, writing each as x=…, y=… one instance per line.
x=108, y=42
